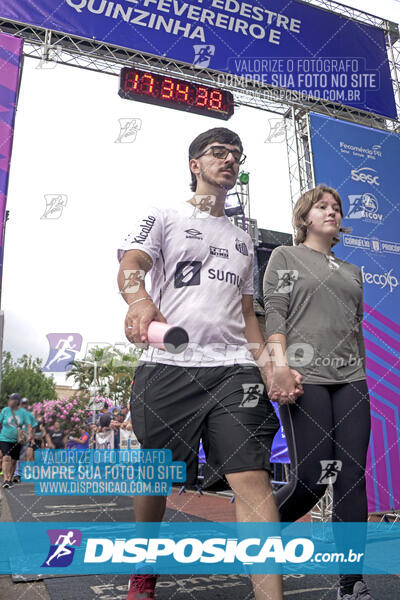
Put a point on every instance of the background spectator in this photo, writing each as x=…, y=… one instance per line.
x=56, y=437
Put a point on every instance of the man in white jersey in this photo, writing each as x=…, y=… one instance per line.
x=201, y=269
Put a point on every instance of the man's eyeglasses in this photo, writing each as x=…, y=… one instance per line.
x=222, y=152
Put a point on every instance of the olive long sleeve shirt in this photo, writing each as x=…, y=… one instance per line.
x=316, y=301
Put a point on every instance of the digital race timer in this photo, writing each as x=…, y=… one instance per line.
x=163, y=90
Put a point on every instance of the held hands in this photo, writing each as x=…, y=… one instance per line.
x=138, y=319
x=284, y=385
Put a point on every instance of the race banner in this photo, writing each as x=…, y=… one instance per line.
x=363, y=165
x=10, y=75
x=127, y=440
x=293, y=46
x=105, y=440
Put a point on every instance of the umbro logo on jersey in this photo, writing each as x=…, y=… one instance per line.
x=187, y=273
x=252, y=392
x=193, y=234
x=241, y=247
x=221, y=252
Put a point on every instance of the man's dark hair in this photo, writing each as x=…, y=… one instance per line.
x=218, y=134
x=105, y=406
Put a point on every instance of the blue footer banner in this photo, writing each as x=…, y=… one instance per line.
x=199, y=547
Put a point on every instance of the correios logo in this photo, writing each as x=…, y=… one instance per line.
x=383, y=280
x=365, y=175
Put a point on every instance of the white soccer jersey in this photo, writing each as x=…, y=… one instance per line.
x=202, y=265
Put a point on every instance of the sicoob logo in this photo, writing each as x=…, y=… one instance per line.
x=62, y=547
x=187, y=273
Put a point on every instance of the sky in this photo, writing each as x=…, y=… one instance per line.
x=60, y=274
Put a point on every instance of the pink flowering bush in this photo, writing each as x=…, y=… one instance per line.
x=71, y=412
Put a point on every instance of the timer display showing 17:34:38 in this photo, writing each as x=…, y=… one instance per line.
x=171, y=92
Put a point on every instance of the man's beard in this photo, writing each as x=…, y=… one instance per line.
x=209, y=181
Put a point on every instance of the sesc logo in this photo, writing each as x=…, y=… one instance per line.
x=365, y=175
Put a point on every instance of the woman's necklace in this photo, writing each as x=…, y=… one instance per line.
x=333, y=265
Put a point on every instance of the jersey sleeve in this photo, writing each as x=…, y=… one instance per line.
x=248, y=285
x=276, y=293
x=2, y=416
x=146, y=234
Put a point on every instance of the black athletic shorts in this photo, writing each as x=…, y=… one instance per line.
x=173, y=407
x=12, y=449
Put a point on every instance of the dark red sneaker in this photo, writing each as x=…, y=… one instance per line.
x=141, y=587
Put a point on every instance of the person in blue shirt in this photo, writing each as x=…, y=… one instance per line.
x=12, y=417
x=81, y=443
x=26, y=452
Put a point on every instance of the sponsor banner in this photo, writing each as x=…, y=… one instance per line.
x=292, y=46
x=200, y=547
x=10, y=73
x=127, y=440
x=363, y=165
x=105, y=440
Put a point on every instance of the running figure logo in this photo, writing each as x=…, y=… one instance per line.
x=203, y=54
x=276, y=133
x=132, y=280
x=286, y=281
x=55, y=204
x=62, y=547
x=329, y=471
x=252, y=393
x=202, y=205
x=128, y=129
x=63, y=347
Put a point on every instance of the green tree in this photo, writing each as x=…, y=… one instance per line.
x=115, y=371
x=25, y=376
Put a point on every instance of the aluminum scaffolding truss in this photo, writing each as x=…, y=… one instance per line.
x=298, y=145
x=47, y=45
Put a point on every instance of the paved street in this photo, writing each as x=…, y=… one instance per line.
x=21, y=504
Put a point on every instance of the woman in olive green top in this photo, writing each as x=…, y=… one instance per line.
x=314, y=311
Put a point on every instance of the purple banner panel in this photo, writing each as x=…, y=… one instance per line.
x=10, y=69
x=363, y=165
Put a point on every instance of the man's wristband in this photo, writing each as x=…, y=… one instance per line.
x=139, y=300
